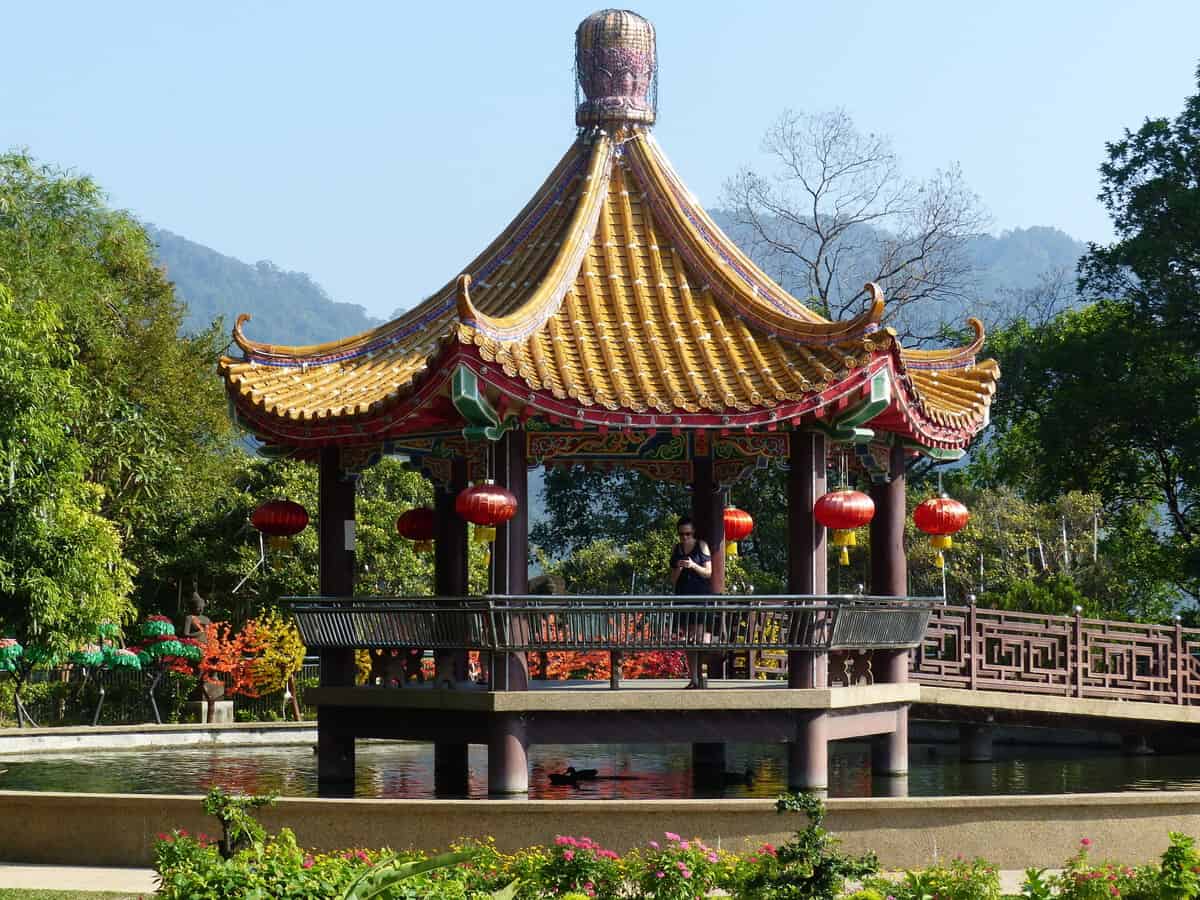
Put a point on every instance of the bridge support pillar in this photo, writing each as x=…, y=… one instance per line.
x=808, y=755
x=708, y=764
x=450, y=768
x=975, y=742
x=889, y=752
x=508, y=757
x=807, y=563
x=335, y=537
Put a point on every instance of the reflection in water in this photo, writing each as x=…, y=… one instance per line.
x=628, y=771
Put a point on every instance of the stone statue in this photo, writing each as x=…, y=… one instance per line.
x=195, y=623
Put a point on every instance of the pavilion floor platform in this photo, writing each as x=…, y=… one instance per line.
x=589, y=712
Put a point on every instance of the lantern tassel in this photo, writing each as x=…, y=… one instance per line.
x=844, y=556
x=731, y=548
x=940, y=560
x=942, y=541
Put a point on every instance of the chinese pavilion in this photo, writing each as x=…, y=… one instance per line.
x=613, y=323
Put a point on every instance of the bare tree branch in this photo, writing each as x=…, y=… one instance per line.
x=837, y=212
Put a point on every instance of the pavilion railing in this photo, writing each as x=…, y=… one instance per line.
x=1070, y=656
x=614, y=623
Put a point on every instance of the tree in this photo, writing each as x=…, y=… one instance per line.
x=62, y=573
x=835, y=212
x=1151, y=188
x=147, y=413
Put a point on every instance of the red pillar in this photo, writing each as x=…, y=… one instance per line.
x=335, y=536
x=889, y=565
x=511, y=564
x=808, y=571
x=708, y=514
x=889, y=578
x=450, y=769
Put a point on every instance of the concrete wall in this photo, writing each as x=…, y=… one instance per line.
x=1013, y=832
x=143, y=737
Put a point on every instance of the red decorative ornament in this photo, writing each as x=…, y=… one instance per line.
x=280, y=521
x=843, y=511
x=486, y=505
x=738, y=525
x=941, y=517
x=417, y=525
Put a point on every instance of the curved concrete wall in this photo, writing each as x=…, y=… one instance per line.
x=1013, y=832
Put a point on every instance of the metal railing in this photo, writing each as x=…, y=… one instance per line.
x=614, y=623
x=1070, y=656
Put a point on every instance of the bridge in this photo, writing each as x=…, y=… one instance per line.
x=813, y=670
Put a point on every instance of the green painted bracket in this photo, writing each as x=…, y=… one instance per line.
x=848, y=428
x=483, y=422
x=937, y=454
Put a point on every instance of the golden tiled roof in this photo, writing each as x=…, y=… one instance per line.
x=614, y=291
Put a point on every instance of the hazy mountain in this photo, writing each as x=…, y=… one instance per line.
x=291, y=308
x=288, y=307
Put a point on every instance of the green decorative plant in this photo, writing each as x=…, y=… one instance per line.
x=959, y=879
x=810, y=865
x=239, y=828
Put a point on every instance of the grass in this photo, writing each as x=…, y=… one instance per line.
x=22, y=894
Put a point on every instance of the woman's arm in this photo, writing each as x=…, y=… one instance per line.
x=704, y=569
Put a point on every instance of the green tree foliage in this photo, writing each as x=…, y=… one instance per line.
x=61, y=568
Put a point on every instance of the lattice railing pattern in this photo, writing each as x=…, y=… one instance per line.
x=987, y=649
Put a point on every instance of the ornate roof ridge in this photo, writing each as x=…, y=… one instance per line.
x=950, y=358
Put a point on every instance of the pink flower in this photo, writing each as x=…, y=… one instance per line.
x=1086, y=842
x=671, y=836
x=712, y=857
x=654, y=845
x=660, y=874
x=686, y=873
x=308, y=862
x=684, y=845
x=568, y=855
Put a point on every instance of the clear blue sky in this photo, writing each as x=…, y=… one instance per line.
x=378, y=146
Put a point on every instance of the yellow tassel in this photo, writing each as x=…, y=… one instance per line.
x=279, y=543
x=484, y=534
x=487, y=557
x=844, y=557
x=844, y=538
x=731, y=548
x=942, y=541
x=424, y=546
x=940, y=559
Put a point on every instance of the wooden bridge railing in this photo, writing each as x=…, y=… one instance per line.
x=1070, y=656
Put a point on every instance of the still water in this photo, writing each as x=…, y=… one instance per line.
x=632, y=771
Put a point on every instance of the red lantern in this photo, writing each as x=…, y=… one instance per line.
x=417, y=525
x=843, y=511
x=486, y=505
x=279, y=520
x=941, y=517
x=738, y=525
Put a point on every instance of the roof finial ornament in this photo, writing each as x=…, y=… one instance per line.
x=617, y=68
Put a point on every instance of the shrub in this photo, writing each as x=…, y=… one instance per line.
x=808, y=866
x=677, y=869
x=958, y=880
x=582, y=865
x=1082, y=879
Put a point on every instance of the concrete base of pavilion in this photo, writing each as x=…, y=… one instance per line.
x=643, y=711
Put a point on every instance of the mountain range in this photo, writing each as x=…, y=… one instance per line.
x=292, y=308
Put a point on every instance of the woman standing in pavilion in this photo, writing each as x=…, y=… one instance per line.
x=691, y=574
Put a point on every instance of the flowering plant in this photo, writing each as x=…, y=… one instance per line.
x=580, y=864
x=677, y=869
x=1083, y=879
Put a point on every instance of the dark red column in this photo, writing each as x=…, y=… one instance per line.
x=335, y=536
x=808, y=754
x=889, y=578
x=511, y=564
x=808, y=571
x=450, y=769
x=889, y=565
x=708, y=514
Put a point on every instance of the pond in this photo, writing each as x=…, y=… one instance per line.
x=628, y=772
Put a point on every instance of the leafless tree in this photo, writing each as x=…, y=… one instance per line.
x=836, y=211
x=1037, y=304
